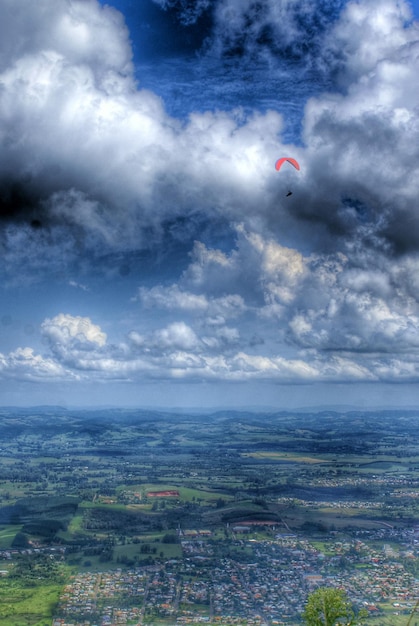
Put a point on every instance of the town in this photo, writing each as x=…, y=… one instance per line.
x=268, y=586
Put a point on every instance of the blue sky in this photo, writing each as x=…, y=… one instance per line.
x=151, y=253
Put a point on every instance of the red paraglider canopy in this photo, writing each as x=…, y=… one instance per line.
x=293, y=162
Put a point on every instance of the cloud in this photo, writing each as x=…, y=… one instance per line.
x=277, y=28
x=84, y=148
x=90, y=165
x=83, y=32
x=356, y=323
x=75, y=341
x=67, y=329
x=362, y=142
x=78, y=350
x=364, y=304
x=173, y=298
x=187, y=12
x=112, y=169
x=177, y=336
x=76, y=285
x=24, y=364
x=367, y=309
x=259, y=273
x=368, y=34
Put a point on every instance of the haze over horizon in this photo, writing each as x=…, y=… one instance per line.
x=151, y=254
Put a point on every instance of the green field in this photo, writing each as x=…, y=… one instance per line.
x=7, y=534
x=27, y=606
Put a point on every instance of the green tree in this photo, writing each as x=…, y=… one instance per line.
x=327, y=606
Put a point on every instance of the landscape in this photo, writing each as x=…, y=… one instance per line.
x=129, y=516
x=209, y=320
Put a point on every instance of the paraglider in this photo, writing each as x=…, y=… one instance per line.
x=280, y=163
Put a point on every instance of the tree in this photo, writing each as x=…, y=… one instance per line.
x=330, y=607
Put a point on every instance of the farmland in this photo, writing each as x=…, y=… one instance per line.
x=208, y=512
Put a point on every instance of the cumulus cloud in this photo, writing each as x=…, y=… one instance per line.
x=365, y=305
x=25, y=364
x=175, y=352
x=177, y=336
x=74, y=341
x=363, y=142
x=359, y=309
x=86, y=152
x=258, y=273
x=368, y=34
x=174, y=298
x=365, y=340
x=66, y=329
x=82, y=32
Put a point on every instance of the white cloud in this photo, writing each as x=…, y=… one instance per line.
x=66, y=330
x=76, y=285
x=362, y=143
x=281, y=269
x=111, y=165
x=25, y=364
x=79, y=352
x=176, y=336
x=81, y=30
x=369, y=33
x=75, y=341
x=175, y=298
x=90, y=151
x=368, y=309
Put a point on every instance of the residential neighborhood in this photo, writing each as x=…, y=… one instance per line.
x=266, y=583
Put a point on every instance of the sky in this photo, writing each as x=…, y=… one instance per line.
x=151, y=253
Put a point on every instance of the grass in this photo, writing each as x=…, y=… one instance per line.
x=7, y=535
x=170, y=550
x=76, y=524
x=15, y=490
x=323, y=547
x=390, y=617
x=186, y=494
x=285, y=456
x=102, y=505
x=27, y=606
x=339, y=519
